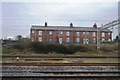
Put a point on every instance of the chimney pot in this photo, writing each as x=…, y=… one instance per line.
x=45, y=24
x=71, y=24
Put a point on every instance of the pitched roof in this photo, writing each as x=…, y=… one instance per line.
x=66, y=28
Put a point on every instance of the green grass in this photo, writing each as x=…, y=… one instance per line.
x=97, y=53
x=106, y=60
x=66, y=60
x=57, y=54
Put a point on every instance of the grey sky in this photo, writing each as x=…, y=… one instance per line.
x=17, y=17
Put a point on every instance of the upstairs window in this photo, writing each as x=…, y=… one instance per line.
x=67, y=33
x=103, y=34
x=33, y=31
x=84, y=33
x=50, y=32
x=77, y=33
x=39, y=32
x=87, y=33
x=61, y=32
x=94, y=34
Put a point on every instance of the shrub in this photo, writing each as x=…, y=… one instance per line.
x=106, y=48
x=61, y=49
x=66, y=49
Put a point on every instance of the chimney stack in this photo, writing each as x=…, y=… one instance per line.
x=95, y=25
x=71, y=24
x=45, y=24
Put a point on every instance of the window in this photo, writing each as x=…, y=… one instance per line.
x=77, y=33
x=50, y=39
x=32, y=39
x=83, y=33
x=94, y=40
x=85, y=41
x=109, y=39
x=39, y=39
x=33, y=31
x=61, y=32
x=94, y=33
x=87, y=33
x=109, y=34
x=103, y=34
x=39, y=32
x=50, y=32
x=60, y=40
x=67, y=39
x=67, y=33
x=77, y=40
x=103, y=39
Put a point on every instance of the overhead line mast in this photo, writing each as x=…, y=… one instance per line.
x=106, y=26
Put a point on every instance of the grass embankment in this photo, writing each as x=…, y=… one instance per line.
x=65, y=60
x=81, y=50
x=85, y=60
x=93, y=54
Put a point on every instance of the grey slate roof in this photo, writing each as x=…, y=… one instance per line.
x=66, y=28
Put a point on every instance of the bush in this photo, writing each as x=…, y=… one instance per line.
x=106, y=48
x=18, y=46
x=61, y=49
x=66, y=49
x=37, y=47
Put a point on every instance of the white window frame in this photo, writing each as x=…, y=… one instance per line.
x=84, y=33
x=33, y=31
x=77, y=33
x=32, y=39
x=87, y=33
x=77, y=40
x=39, y=39
x=94, y=34
x=85, y=40
x=60, y=40
x=109, y=39
x=39, y=32
x=67, y=39
x=61, y=32
x=109, y=33
x=94, y=40
x=50, y=32
x=67, y=33
x=50, y=39
x=103, y=34
x=103, y=39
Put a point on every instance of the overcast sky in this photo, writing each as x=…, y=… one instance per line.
x=19, y=15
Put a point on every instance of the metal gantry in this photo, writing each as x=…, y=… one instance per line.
x=106, y=26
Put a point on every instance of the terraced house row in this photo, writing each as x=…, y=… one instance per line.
x=68, y=34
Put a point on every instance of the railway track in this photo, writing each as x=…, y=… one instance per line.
x=63, y=71
x=50, y=69
x=60, y=64
x=66, y=56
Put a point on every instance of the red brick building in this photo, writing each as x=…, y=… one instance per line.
x=68, y=34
